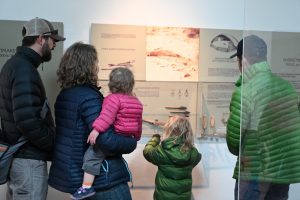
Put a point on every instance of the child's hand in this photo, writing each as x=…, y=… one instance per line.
x=92, y=137
x=156, y=137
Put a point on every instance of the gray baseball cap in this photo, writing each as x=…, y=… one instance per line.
x=254, y=47
x=39, y=26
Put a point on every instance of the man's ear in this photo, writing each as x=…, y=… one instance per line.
x=245, y=63
x=39, y=40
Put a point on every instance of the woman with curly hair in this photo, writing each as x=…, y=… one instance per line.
x=77, y=106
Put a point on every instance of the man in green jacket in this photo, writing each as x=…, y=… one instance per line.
x=263, y=129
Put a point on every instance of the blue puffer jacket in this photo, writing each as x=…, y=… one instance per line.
x=75, y=110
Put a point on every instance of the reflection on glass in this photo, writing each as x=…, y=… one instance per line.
x=225, y=118
x=212, y=123
x=263, y=129
x=204, y=124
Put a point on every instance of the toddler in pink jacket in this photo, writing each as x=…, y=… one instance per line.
x=121, y=109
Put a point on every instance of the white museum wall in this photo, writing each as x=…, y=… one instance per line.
x=78, y=15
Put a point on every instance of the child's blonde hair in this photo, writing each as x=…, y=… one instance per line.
x=180, y=127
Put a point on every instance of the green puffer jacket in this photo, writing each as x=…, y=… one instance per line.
x=270, y=128
x=174, y=176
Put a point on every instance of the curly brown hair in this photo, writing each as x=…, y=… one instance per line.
x=78, y=66
x=121, y=80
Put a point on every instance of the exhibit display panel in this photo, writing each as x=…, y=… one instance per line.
x=173, y=51
x=213, y=103
x=120, y=45
x=216, y=47
x=179, y=71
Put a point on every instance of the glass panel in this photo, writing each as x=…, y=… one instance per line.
x=265, y=121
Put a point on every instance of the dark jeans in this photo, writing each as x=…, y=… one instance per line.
x=119, y=192
x=254, y=190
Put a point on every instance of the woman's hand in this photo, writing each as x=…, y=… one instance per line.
x=92, y=137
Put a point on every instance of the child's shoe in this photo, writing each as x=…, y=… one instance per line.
x=83, y=193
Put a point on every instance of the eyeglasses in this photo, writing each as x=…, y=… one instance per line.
x=49, y=33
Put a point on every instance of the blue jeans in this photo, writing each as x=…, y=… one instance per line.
x=119, y=192
x=254, y=190
x=28, y=180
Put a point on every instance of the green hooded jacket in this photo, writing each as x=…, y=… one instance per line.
x=263, y=128
x=174, y=176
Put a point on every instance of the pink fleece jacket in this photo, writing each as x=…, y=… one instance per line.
x=122, y=111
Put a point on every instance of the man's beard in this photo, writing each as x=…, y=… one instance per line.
x=46, y=52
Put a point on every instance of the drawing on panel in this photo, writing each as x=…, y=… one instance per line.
x=224, y=43
x=172, y=54
x=111, y=66
x=158, y=125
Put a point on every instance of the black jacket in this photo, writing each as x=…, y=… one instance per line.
x=22, y=96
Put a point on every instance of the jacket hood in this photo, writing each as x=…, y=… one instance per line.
x=172, y=148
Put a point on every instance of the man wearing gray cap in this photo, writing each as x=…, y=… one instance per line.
x=263, y=129
x=25, y=112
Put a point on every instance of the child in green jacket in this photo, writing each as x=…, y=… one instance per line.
x=175, y=157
